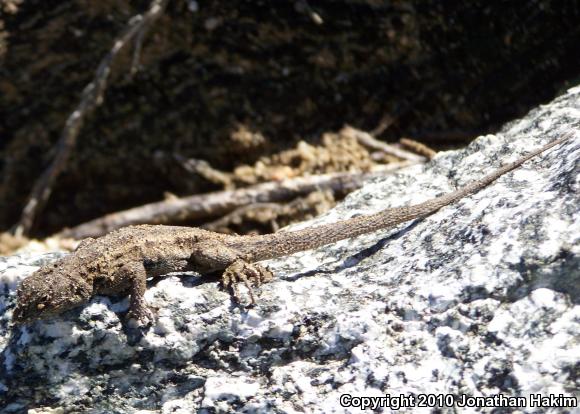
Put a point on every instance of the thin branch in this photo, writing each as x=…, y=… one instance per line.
x=205, y=170
x=315, y=17
x=202, y=206
x=366, y=139
x=92, y=97
x=384, y=123
x=137, y=51
x=418, y=147
x=270, y=214
x=236, y=216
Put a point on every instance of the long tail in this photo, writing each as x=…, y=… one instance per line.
x=284, y=243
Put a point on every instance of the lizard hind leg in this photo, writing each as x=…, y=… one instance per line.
x=210, y=255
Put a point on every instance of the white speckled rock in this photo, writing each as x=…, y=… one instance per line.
x=478, y=299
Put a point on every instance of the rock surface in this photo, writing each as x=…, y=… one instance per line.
x=478, y=299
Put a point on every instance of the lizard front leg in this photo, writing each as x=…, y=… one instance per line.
x=213, y=255
x=135, y=275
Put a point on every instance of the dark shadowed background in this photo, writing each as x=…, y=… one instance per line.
x=438, y=72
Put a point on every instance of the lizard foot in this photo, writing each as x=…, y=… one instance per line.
x=246, y=273
x=141, y=315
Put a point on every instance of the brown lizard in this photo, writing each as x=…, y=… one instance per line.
x=121, y=261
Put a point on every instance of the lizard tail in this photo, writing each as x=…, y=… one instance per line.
x=284, y=243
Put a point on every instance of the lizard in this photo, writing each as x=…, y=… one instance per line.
x=120, y=262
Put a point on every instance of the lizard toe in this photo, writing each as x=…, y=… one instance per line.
x=248, y=274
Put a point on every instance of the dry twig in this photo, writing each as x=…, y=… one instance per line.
x=274, y=215
x=236, y=216
x=92, y=97
x=198, y=207
x=205, y=170
x=369, y=141
x=418, y=147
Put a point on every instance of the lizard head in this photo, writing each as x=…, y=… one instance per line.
x=49, y=291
